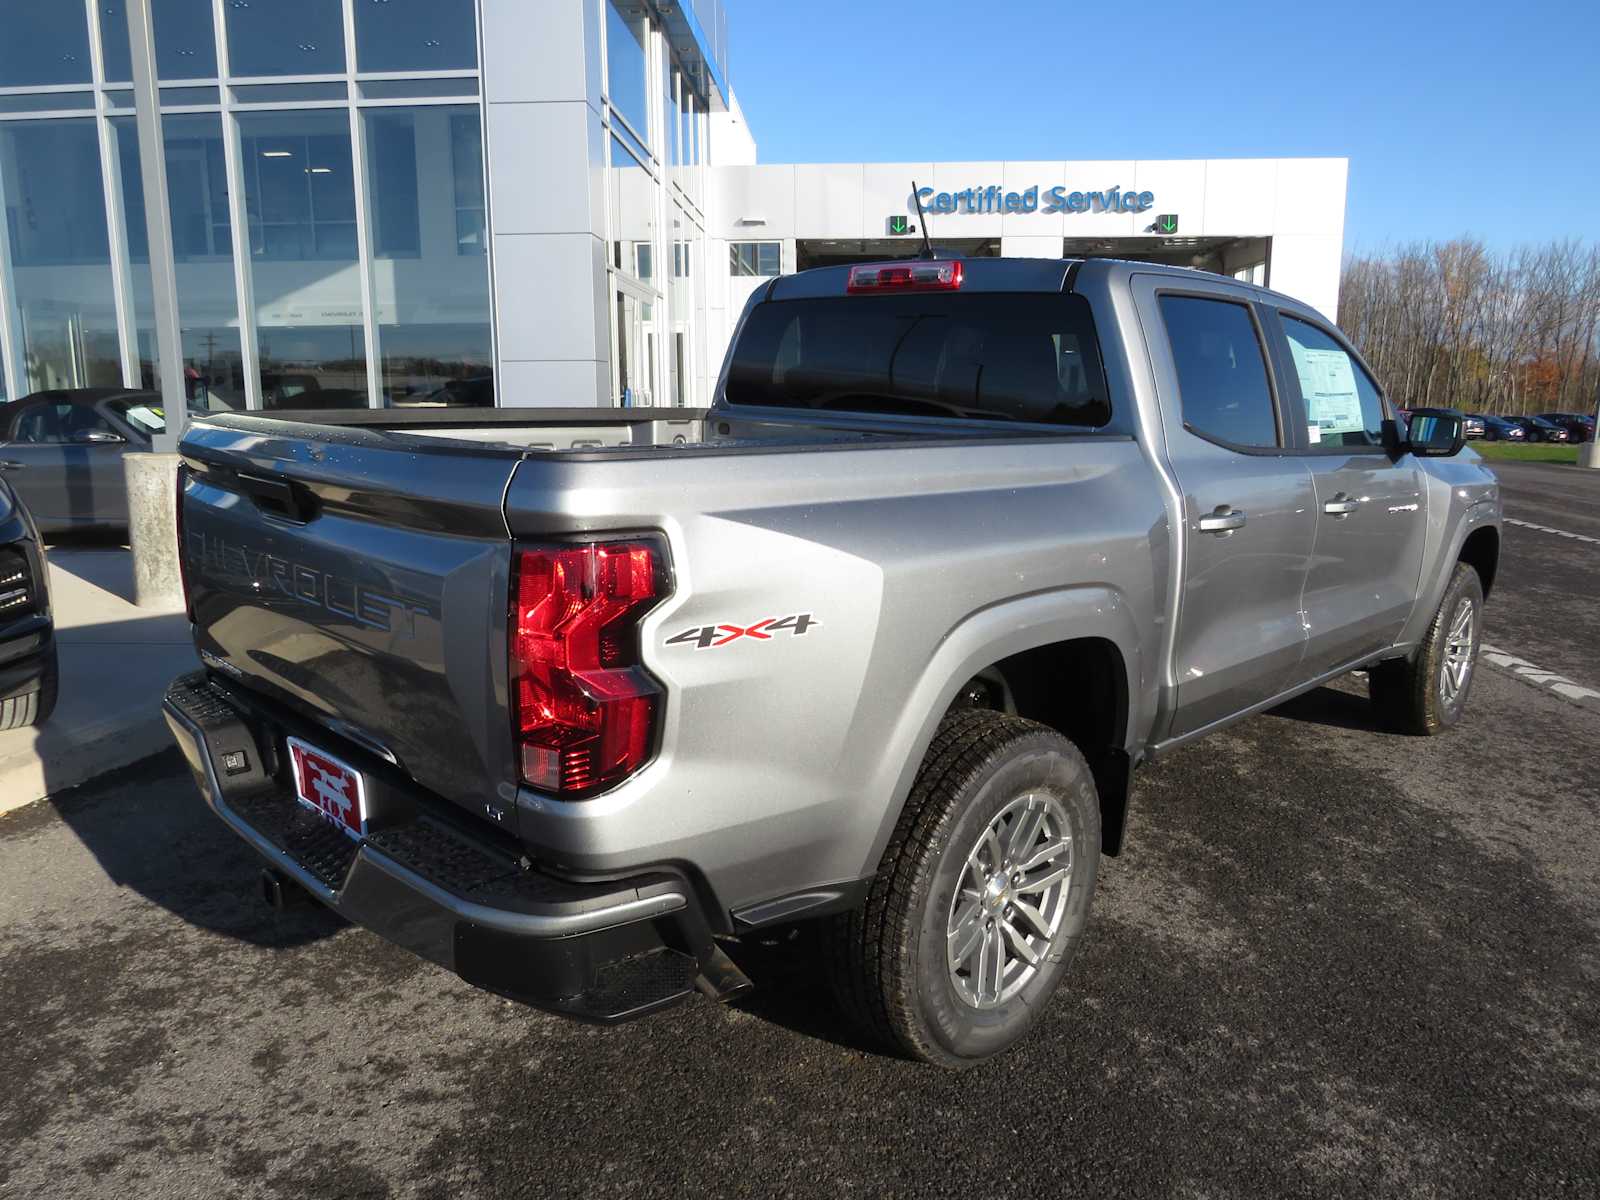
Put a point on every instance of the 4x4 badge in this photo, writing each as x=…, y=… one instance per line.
x=710, y=637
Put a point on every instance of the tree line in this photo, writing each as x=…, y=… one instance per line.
x=1456, y=325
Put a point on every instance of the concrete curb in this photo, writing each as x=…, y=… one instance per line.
x=88, y=752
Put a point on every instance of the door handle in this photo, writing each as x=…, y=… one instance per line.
x=1341, y=506
x=1222, y=521
x=8, y=465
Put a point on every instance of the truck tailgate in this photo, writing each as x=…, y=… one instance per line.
x=324, y=566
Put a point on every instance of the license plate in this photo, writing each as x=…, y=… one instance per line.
x=329, y=786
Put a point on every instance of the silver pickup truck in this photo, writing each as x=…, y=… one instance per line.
x=568, y=701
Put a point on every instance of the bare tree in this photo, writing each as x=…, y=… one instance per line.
x=1456, y=324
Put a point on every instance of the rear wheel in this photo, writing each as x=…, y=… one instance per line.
x=982, y=896
x=1427, y=693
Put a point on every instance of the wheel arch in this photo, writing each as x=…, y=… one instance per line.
x=1032, y=643
x=1481, y=552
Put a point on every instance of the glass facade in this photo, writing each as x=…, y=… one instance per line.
x=656, y=224
x=326, y=195
x=58, y=261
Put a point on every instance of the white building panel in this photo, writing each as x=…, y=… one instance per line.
x=958, y=177
x=886, y=192
x=1241, y=196
x=1034, y=180
x=1311, y=195
x=1306, y=266
x=1178, y=186
x=753, y=203
x=526, y=195
x=827, y=200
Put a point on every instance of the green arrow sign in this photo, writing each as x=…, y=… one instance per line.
x=899, y=224
x=1167, y=223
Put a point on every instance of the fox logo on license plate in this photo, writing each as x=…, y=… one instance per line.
x=330, y=787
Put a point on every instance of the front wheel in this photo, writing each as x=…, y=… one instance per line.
x=982, y=896
x=1427, y=693
x=33, y=708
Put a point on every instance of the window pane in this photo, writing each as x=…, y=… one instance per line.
x=680, y=364
x=300, y=196
x=754, y=258
x=466, y=164
x=632, y=213
x=186, y=47
x=669, y=113
x=60, y=261
x=1342, y=405
x=44, y=42
x=286, y=37
x=1222, y=378
x=416, y=35
x=432, y=297
x=202, y=238
x=993, y=356
x=392, y=167
x=44, y=423
x=625, y=68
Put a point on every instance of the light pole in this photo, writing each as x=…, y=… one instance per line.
x=1589, y=454
x=153, y=478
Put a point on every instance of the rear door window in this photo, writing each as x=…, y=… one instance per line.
x=1222, y=376
x=994, y=356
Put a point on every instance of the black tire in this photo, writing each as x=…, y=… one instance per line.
x=33, y=708
x=888, y=959
x=1414, y=695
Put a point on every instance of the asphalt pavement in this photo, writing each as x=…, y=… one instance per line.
x=1331, y=961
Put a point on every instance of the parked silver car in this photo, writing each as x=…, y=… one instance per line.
x=62, y=452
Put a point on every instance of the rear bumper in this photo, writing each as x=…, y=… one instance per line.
x=597, y=951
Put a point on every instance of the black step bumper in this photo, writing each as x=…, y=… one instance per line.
x=596, y=951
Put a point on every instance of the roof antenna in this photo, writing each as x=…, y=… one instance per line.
x=922, y=222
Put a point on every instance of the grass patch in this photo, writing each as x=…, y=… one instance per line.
x=1539, y=452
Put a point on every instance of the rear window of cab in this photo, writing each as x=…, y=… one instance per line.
x=1029, y=357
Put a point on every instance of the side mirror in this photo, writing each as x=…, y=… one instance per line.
x=1436, y=432
x=96, y=437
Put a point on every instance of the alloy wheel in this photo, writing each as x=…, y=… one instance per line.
x=1010, y=900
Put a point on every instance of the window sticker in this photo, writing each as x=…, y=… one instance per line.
x=1328, y=382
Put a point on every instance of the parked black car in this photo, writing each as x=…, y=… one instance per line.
x=1540, y=430
x=1472, y=427
x=1579, y=426
x=1499, y=429
x=62, y=452
x=28, y=668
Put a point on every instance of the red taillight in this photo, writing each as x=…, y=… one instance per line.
x=914, y=276
x=585, y=709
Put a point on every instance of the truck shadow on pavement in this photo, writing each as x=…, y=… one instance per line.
x=172, y=850
x=1334, y=708
x=787, y=967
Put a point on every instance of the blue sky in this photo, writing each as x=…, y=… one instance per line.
x=1474, y=117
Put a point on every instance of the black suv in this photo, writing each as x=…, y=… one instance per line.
x=28, y=668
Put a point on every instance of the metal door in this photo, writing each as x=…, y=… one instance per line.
x=1249, y=514
x=1371, y=505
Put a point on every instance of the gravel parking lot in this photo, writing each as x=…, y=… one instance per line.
x=1330, y=961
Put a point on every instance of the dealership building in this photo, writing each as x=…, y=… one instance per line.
x=422, y=202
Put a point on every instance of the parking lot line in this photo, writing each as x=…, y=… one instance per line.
x=1584, y=697
x=1577, y=537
